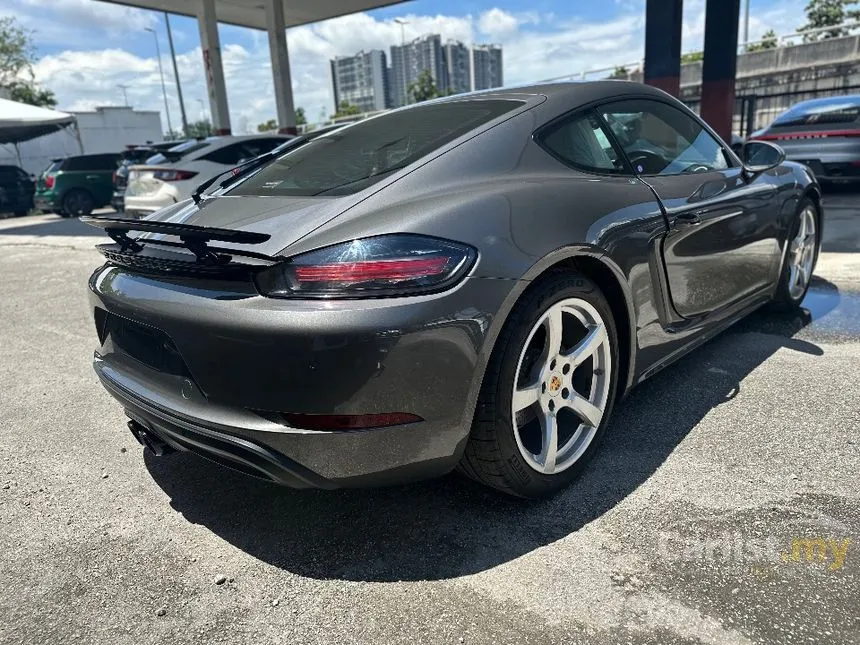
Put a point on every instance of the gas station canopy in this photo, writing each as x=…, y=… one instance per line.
x=252, y=13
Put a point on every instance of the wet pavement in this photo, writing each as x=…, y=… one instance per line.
x=724, y=506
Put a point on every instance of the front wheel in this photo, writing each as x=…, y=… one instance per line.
x=548, y=392
x=801, y=256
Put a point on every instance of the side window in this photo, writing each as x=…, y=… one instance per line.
x=659, y=139
x=105, y=162
x=581, y=142
x=228, y=155
x=257, y=147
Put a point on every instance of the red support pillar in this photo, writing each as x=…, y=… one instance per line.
x=720, y=65
x=663, y=44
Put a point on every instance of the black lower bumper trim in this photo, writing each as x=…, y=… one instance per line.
x=234, y=452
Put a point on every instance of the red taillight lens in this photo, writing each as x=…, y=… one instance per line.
x=375, y=270
x=49, y=181
x=349, y=421
x=387, y=265
x=174, y=175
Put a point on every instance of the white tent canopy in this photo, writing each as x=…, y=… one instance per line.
x=21, y=122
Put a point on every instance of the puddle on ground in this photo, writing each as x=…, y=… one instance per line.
x=828, y=314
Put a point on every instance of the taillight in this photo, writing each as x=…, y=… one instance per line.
x=387, y=265
x=49, y=181
x=174, y=175
x=798, y=136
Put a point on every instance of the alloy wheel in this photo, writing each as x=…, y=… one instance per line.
x=561, y=385
x=801, y=254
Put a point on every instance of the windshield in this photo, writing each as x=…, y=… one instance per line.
x=177, y=152
x=839, y=109
x=348, y=160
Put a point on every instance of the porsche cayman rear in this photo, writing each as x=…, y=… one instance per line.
x=317, y=321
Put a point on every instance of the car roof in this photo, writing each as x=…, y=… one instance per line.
x=828, y=100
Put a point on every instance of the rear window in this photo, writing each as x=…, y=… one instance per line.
x=177, y=152
x=841, y=109
x=358, y=156
x=54, y=166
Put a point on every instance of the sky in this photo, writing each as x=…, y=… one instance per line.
x=86, y=48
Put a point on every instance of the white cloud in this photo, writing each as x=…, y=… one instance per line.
x=497, y=24
x=76, y=22
x=536, y=47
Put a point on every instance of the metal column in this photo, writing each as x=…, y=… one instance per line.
x=720, y=64
x=663, y=44
x=280, y=66
x=213, y=67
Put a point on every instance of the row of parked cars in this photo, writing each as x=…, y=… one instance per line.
x=822, y=133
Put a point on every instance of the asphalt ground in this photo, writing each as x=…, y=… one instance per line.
x=718, y=478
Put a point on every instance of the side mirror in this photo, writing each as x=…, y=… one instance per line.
x=760, y=156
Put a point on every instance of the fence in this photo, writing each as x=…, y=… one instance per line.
x=753, y=112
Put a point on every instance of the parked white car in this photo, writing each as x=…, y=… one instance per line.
x=172, y=175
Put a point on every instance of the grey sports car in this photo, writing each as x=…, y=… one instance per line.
x=471, y=283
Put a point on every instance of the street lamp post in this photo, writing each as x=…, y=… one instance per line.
x=402, y=24
x=176, y=75
x=161, y=74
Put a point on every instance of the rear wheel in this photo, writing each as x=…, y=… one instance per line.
x=78, y=202
x=20, y=213
x=801, y=256
x=548, y=391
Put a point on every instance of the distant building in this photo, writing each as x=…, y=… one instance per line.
x=361, y=80
x=410, y=60
x=486, y=67
x=457, y=67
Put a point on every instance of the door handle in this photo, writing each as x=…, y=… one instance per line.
x=690, y=218
x=92, y=176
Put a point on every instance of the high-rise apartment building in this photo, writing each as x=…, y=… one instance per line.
x=408, y=61
x=457, y=66
x=361, y=80
x=486, y=67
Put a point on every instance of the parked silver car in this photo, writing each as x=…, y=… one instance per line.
x=822, y=133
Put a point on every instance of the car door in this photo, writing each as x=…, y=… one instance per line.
x=722, y=241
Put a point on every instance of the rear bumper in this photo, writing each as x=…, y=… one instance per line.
x=246, y=354
x=47, y=202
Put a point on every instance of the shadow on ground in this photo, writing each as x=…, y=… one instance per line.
x=451, y=526
x=52, y=225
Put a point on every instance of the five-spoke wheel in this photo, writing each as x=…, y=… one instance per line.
x=561, y=385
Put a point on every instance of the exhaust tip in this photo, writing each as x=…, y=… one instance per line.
x=149, y=440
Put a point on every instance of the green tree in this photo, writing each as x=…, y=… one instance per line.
x=268, y=126
x=346, y=109
x=301, y=119
x=768, y=41
x=424, y=88
x=32, y=94
x=620, y=72
x=828, y=13
x=17, y=55
x=692, y=57
x=199, y=129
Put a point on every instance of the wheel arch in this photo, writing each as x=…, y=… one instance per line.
x=813, y=193
x=593, y=262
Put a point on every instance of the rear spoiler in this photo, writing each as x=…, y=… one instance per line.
x=194, y=238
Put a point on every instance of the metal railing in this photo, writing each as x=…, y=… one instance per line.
x=783, y=40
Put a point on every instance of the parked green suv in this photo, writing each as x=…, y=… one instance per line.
x=77, y=185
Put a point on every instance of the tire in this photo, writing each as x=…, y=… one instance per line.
x=20, y=213
x=78, y=202
x=501, y=448
x=789, y=293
